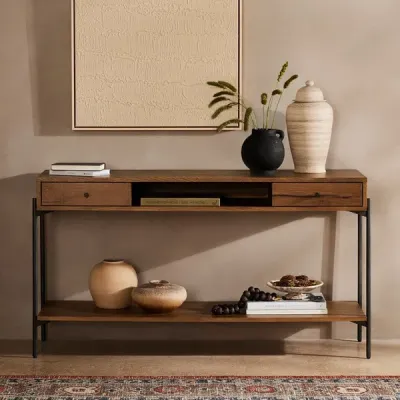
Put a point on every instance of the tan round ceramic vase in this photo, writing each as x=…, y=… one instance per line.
x=309, y=121
x=159, y=296
x=111, y=283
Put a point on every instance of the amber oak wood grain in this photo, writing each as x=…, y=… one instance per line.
x=339, y=190
x=85, y=194
x=211, y=176
x=336, y=190
x=200, y=209
x=191, y=312
x=317, y=194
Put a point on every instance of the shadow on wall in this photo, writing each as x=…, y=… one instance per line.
x=15, y=270
x=185, y=248
x=49, y=38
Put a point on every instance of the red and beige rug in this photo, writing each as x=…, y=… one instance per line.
x=201, y=388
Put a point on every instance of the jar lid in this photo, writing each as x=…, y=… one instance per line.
x=309, y=93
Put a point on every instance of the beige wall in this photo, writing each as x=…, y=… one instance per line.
x=350, y=48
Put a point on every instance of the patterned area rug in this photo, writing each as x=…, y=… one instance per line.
x=201, y=388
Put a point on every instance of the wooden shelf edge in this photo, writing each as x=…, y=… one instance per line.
x=190, y=312
x=202, y=209
x=204, y=176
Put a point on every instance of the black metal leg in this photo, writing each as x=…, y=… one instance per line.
x=368, y=262
x=359, y=275
x=34, y=280
x=43, y=286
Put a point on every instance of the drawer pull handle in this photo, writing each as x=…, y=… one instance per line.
x=317, y=194
x=86, y=195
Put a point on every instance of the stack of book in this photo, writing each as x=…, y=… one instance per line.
x=179, y=202
x=95, y=170
x=311, y=304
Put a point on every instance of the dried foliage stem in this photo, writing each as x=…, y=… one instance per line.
x=242, y=103
x=268, y=109
x=252, y=115
x=285, y=86
x=276, y=109
x=228, y=97
x=263, y=115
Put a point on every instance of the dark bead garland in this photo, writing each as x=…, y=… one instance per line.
x=251, y=294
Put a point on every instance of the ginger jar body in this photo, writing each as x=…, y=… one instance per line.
x=309, y=121
x=111, y=283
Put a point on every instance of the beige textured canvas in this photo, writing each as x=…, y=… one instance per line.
x=144, y=64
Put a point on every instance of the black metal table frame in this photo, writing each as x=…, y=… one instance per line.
x=39, y=259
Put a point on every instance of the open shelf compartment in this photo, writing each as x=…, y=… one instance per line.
x=230, y=194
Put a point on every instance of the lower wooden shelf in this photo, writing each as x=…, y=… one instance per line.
x=192, y=312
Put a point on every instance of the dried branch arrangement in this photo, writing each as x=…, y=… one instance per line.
x=227, y=97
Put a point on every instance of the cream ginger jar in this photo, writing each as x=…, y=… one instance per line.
x=309, y=121
x=111, y=283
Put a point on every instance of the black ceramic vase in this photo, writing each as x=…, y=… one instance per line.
x=263, y=151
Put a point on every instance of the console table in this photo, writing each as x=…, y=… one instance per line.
x=336, y=190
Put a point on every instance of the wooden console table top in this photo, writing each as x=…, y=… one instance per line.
x=337, y=175
x=335, y=190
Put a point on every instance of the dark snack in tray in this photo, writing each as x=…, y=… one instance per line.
x=286, y=283
x=302, y=283
x=302, y=278
x=288, y=278
x=296, y=281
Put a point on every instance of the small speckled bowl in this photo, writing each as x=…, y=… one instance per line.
x=159, y=296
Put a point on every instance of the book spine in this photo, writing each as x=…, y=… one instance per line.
x=278, y=305
x=286, y=312
x=180, y=202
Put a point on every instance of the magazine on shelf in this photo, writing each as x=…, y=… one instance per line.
x=66, y=166
x=286, y=312
x=314, y=301
x=95, y=174
x=180, y=202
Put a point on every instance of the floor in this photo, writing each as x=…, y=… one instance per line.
x=325, y=357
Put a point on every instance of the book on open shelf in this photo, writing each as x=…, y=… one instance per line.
x=95, y=174
x=311, y=302
x=179, y=202
x=81, y=166
x=286, y=312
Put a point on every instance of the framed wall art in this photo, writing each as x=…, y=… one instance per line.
x=144, y=64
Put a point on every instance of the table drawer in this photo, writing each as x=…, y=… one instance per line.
x=86, y=194
x=317, y=194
